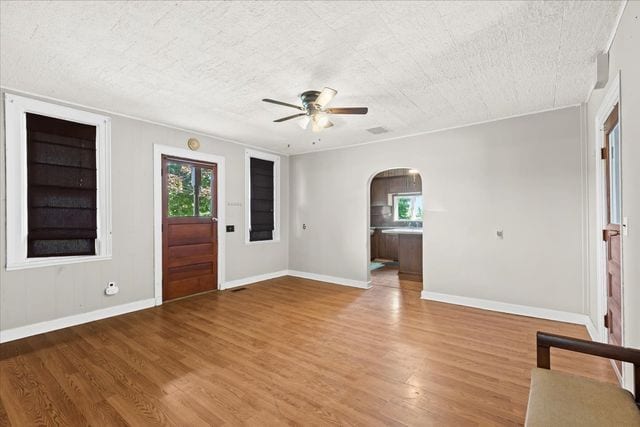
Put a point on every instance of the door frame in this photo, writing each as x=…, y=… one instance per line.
x=611, y=98
x=166, y=150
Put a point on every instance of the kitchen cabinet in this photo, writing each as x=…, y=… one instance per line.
x=410, y=257
x=384, y=246
x=408, y=246
x=397, y=184
x=382, y=187
x=379, y=191
x=374, y=244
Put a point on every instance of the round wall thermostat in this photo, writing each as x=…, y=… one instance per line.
x=193, y=144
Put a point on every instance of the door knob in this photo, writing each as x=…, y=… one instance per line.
x=214, y=219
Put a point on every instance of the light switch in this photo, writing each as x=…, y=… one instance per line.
x=499, y=233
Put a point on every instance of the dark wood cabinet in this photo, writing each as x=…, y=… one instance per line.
x=391, y=246
x=379, y=191
x=397, y=184
x=382, y=187
x=384, y=246
x=374, y=244
x=410, y=257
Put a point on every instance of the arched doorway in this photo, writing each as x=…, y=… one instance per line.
x=396, y=215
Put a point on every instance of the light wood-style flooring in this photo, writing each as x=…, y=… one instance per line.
x=284, y=351
x=388, y=276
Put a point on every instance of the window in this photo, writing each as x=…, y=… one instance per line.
x=189, y=189
x=262, y=197
x=57, y=184
x=407, y=207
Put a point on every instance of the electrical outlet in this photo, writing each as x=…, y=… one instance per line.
x=111, y=289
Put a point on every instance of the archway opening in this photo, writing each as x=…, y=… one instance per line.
x=396, y=218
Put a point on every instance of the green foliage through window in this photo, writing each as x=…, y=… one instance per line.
x=407, y=207
x=189, y=187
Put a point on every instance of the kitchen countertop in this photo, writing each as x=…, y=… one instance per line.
x=404, y=230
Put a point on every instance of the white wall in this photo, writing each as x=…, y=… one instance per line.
x=41, y=294
x=521, y=174
x=623, y=58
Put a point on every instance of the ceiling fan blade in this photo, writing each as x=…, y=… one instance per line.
x=273, y=101
x=304, y=122
x=284, y=119
x=325, y=96
x=348, y=110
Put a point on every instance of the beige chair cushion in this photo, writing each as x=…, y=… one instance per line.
x=559, y=399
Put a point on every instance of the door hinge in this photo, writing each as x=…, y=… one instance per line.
x=605, y=235
x=604, y=153
x=606, y=320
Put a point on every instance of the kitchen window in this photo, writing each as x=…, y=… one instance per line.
x=57, y=184
x=407, y=207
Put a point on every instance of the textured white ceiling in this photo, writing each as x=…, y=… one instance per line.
x=205, y=66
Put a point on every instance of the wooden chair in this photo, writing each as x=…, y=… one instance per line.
x=561, y=399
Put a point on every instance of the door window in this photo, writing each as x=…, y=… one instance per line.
x=614, y=168
x=189, y=190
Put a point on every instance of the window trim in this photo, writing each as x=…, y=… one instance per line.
x=249, y=154
x=395, y=217
x=16, y=108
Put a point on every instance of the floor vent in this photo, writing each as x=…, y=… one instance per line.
x=238, y=289
x=378, y=130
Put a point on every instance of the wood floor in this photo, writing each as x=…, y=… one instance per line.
x=388, y=276
x=284, y=351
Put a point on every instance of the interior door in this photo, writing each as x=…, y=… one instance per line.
x=611, y=232
x=189, y=228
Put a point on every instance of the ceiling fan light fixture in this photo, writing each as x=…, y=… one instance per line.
x=314, y=108
x=321, y=119
x=304, y=122
x=326, y=95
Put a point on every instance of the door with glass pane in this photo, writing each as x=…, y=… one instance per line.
x=611, y=232
x=189, y=228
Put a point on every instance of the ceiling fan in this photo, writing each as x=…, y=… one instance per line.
x=314, y=109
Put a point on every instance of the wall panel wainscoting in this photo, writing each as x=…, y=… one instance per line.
x=286, y=350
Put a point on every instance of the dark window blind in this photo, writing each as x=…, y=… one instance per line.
x=262, y=221
x=62, y=192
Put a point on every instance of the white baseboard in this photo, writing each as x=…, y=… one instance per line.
x=331, y=279
x=503, y=307
x=76, y=319
x=253, y=279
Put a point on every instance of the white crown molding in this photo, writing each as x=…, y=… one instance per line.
x=612, y=37
x=427, y=132
x=75, y=319
x=614, y=31
x=15, y=91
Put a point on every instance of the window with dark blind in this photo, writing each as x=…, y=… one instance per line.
x=61, y=187
x=262, y=200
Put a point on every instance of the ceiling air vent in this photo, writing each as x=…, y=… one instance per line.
x=378, y=130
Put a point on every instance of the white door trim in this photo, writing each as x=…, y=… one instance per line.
x=611, y=98
x=158, y=152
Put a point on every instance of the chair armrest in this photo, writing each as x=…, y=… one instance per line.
x=545, y=341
